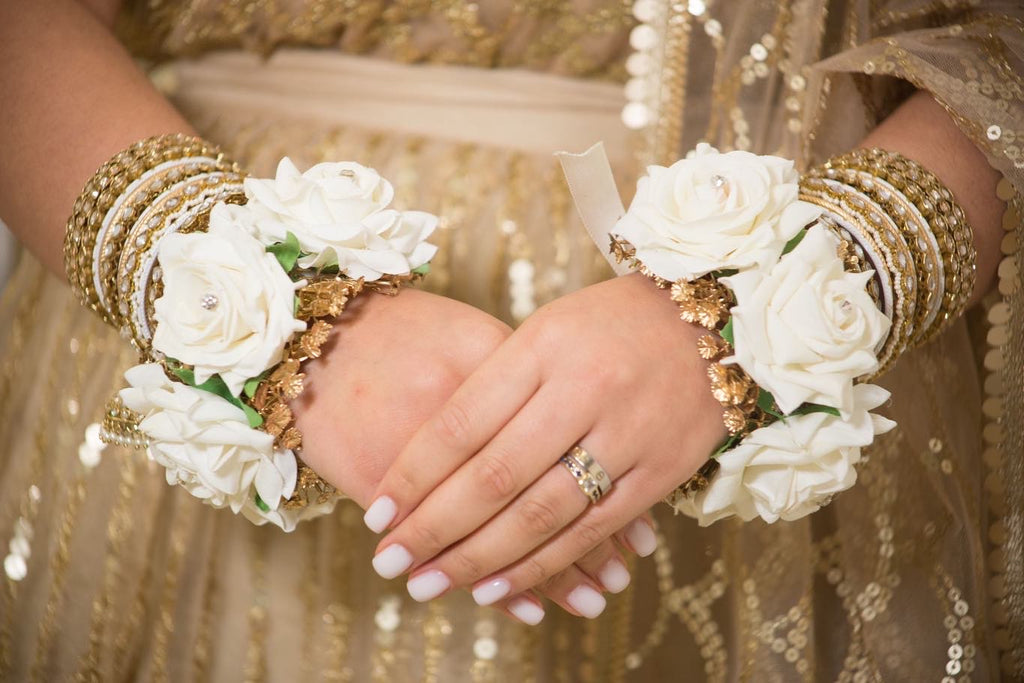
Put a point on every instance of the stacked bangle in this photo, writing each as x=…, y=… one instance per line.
x=929, y=219
x=218, y=281
x=104, y=199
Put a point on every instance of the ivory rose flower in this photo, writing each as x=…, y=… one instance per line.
x=806, y=328
x=791, y=468
x=338, y=212
x=227, y=305
x=206, y=444
x=712, y=211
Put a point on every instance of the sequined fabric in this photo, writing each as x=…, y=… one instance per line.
x=907, y=577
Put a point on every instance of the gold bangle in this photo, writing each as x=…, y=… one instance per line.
x=945, y=218
x=121, y=220
x=177, y=209
x=877, y=228
x=99, y=195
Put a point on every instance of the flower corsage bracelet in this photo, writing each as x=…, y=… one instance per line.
x=807, y=288
x=226, y=285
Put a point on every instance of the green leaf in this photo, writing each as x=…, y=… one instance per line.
x=253, y=383
x=724, y=272
x=185, y=375
x=254, y=418
x=797, y=238
x=261, y=505
x=287, y=252
x=807, y=408
x=726, y=445
x=422, y=270
x=295, y=305
x=727, y=333
x=766, y=402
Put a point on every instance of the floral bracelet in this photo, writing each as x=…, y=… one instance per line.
x=791, y=329
x=242, y=305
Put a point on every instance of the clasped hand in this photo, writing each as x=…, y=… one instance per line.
x=477, y=499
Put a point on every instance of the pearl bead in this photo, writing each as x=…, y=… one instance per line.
x=636, y=115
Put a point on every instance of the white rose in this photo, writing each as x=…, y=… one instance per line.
x=791, y=468
x=207, y=446
x=805, y=329
x=338, y=212
x=713, y=211
x=287, y=518
x=227, y=305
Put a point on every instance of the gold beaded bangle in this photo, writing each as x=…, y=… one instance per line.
x=121, y=219
x=176, y=209
x=924, y=246
x=878, y=227
x=99, y=195
x=945, y=219
x=818, y=193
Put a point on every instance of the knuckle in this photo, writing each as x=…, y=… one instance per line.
x=490, y=336
x=610, y=376
x=495, y=478
x=588, y=535
x=533, y=573
x=452, y=424
x=465, y=569
x=427, y=539
x=402, y=482
x=539, y=517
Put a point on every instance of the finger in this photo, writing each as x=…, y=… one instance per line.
x=524, y=449
x=639, y=535
x=575, y=592
x=606, y=566
x=596, y=524
x=477, y=410
x=543, y=510
x=525, y=607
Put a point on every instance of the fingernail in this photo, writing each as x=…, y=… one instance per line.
x=428, y=585
x=392, y=561
x=614, y=576
x=380, y=514
x=526, y=611
x=641, y=536
x=586, y=601
x=490, y=592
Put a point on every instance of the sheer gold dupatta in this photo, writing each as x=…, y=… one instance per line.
x=973, y=69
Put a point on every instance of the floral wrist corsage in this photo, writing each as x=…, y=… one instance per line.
x=243, y=305
x=792, y=328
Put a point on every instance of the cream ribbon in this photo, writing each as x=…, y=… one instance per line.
x=592, y=185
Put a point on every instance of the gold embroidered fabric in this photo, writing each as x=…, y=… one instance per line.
x=913, y=575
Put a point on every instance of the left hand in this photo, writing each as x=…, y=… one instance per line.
x=479, y=493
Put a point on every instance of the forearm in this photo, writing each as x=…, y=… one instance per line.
x=923, y=131
x=73, y=98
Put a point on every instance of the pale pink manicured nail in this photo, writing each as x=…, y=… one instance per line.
x=380, y=514
x=428, y=585
x=392, y=561
x=614, y=576
x=586, y=601
x=526, y=611
x=641, y=536
x=490, y=592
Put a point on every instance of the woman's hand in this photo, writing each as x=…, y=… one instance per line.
x=390, y=364
x=611, y=368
